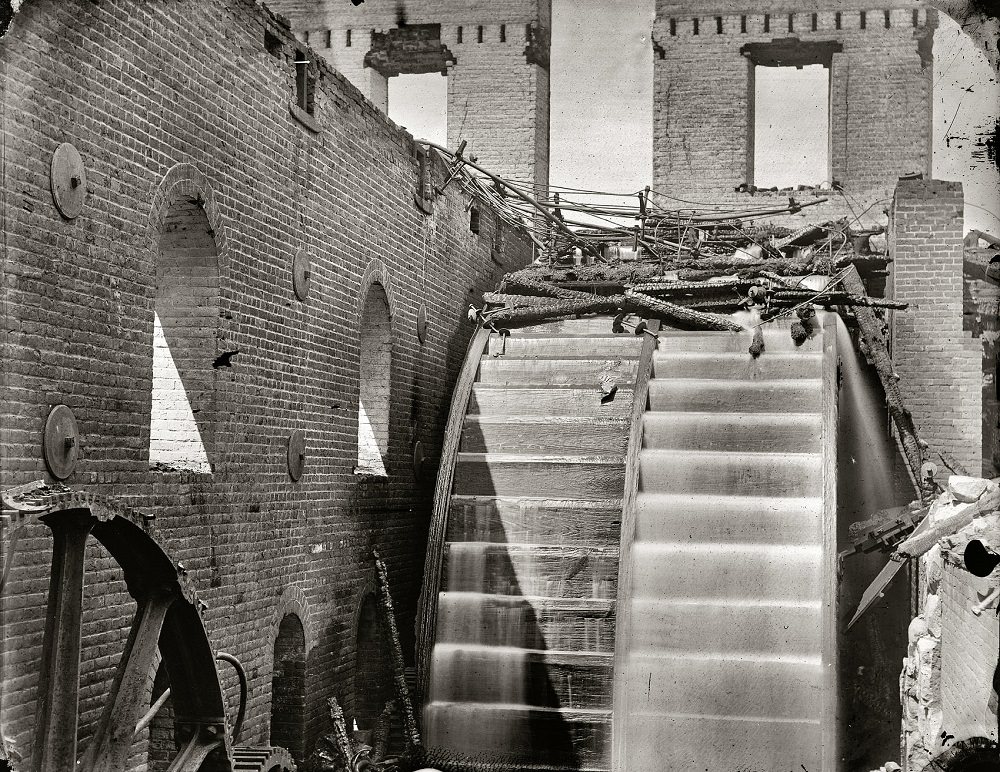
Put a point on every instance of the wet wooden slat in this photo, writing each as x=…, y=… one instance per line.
x=534, y=520
x=492, y=400
x=582, y=477
x=566, y=624
x=555, y=572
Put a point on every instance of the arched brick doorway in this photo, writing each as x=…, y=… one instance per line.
x=373, y=668
x=186, y=315
x=288, y=687
x=375, y=372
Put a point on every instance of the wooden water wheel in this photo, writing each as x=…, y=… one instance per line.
x=167, y=619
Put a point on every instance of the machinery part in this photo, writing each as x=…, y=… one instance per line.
x=301, y=274
x=977, y=754
x=296, y=454
x=68, y=180
x=422, y=323
x=262, y=759
x=418, y=459
x=167, y=612
x=168, y=618
x=241, y=674
x=155, y=708
x=61, y=442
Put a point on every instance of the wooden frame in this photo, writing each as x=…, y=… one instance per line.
x=427, y=604
x=829, y=573
x=629, y=505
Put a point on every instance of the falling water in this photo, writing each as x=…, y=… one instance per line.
x=870, y=477
x=863, y=439
x=479, y=667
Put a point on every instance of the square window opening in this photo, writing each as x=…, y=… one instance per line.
x=791, y=126
x=420, y=104
x=272, y=43
x=305, y=83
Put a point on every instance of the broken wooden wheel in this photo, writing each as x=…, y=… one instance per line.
x=168, y=619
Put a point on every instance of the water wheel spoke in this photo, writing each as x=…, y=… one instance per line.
x=193, y=754
x=59, y=683
x=109, y=750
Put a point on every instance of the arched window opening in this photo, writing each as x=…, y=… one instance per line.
x=185, y=318
x=375, y=340
x=373, y=667
x=288, y=687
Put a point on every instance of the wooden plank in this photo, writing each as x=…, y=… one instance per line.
x=739, y=473
x=753, y=432
x=727, y=571
x=781, y=629
x=524, y=735
x=736, y=366
x=697, y=517
x=565, y=347
x=584, y=326
x=548, y=435
x=548, y=571
x=557, y=372
x=493, y=400
x=777, y=338
x=540, y=678
x=500, y=474
x=718, y=685
x=534, y=520
x=830, y=576
x=565, y=624
x=794, y=396
x=427, y=603
x=626, y=538
x=683, y=743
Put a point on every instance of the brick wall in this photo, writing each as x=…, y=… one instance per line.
x=938, y=362
x=948, y=684
x=168, y=101
x=982, y=319
x=372, y=662
x=497, y=90
x=969, y=646
x=880, y=99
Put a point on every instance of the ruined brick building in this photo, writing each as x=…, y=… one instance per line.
x=234, y=305
x=240, y=228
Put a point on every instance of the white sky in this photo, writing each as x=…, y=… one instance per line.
x=791, y=126
x=601, y=104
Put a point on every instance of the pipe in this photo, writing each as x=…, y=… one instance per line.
x=241, y=674
x=151, y=713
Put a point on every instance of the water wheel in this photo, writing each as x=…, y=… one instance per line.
x=167, y=619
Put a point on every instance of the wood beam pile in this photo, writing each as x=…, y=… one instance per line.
x=543, y=292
